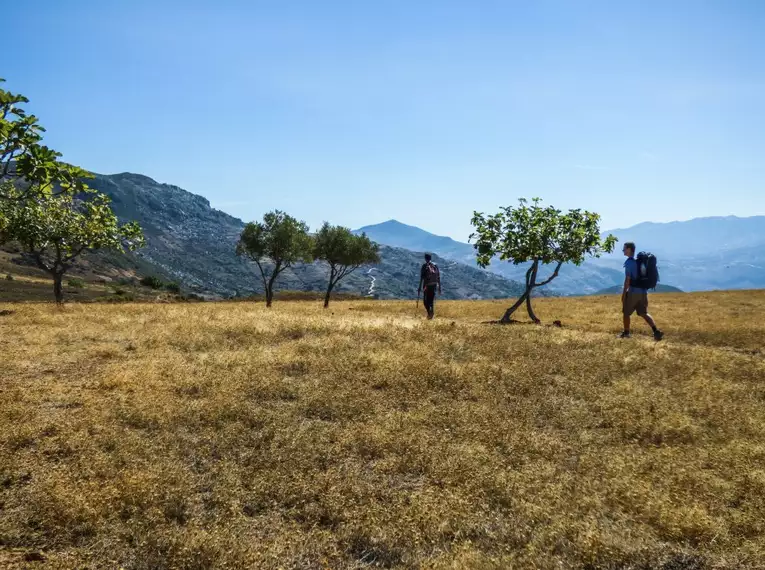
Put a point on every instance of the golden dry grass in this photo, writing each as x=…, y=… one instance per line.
x=228, y=436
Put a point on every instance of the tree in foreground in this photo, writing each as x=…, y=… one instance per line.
x=539, y=235
x=28, y=168
x=56, y=229
x=276, y=243
x=344, y=252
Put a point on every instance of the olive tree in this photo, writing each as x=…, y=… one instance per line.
x=344, y=252
x=276, y=243
x=56, y=229
x=532, y=233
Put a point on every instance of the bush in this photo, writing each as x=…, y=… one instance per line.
x=120, y=291
x=9, y=277
x=153, y=282
x=76, y=283
x=173, y=288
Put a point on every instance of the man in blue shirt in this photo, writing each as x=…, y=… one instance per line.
x=634, y=298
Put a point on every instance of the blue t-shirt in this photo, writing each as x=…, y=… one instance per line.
x=631, y=271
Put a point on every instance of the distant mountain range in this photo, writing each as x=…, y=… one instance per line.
x=194, y=244
x=700, y=254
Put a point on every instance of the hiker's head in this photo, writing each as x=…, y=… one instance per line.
x=629, y=249
x=428, y=257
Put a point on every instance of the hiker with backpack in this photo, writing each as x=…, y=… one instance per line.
x=640, y=275
x=430, y=279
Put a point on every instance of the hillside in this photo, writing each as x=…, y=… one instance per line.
x=195, y=245
x=223, y=435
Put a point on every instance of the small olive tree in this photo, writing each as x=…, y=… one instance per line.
x=276, y=243
x=344, y=252
x=539, y=235
x=56, y=229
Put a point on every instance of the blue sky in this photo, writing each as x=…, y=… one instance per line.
x=356, y=112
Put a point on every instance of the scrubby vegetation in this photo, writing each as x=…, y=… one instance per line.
x=228, y=436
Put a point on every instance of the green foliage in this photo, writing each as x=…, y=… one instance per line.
x=9, y=277
x=276, y=243
x=344, y=252
x=540, y=235
x=76, y=283
x=27, y=167
x=56, y=229
x=152, y=281
x=535, y=233
x=173, y=288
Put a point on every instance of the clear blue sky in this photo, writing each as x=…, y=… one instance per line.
x=356, y=112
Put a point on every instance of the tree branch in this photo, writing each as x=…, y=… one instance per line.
x=553, y=276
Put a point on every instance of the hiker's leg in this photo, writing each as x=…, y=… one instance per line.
x=627, y=309
x=642, y=310
x=430, y=295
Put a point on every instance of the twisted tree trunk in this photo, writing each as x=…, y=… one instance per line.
x=531, y=284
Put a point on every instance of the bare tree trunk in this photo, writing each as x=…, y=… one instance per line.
x=532, y=316
x=524, y=298
x=269, y=296
x=511, y=310
x=530, y=285
x=58, y=288
x=330, y=285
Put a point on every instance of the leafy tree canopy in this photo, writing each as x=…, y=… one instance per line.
x=531, y=232
x=344, y=252
x=56, y=229
x=276, y=243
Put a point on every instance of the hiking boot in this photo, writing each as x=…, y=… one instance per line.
x=625, y=334
x=430, y=316
x=658, y=335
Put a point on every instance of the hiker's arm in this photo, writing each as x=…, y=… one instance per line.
x=627, y=281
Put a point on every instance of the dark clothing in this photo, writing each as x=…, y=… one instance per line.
x=429, y=298
x=430, y=280
x=425, y=274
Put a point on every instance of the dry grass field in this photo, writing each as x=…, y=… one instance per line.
x=223, y=435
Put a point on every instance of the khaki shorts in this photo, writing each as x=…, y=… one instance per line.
x=636, y=302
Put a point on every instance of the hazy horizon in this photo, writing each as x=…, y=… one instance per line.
x=353, y=113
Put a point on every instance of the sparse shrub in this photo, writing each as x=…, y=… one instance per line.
x=173, y=288
x=9, y=277
x=76, y=283
x=153, y=282
x=120, y=291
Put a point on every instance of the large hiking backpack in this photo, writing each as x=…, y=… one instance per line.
x=431, y=274
x=647, y=270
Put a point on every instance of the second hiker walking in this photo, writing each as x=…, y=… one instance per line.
x=430, y=280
